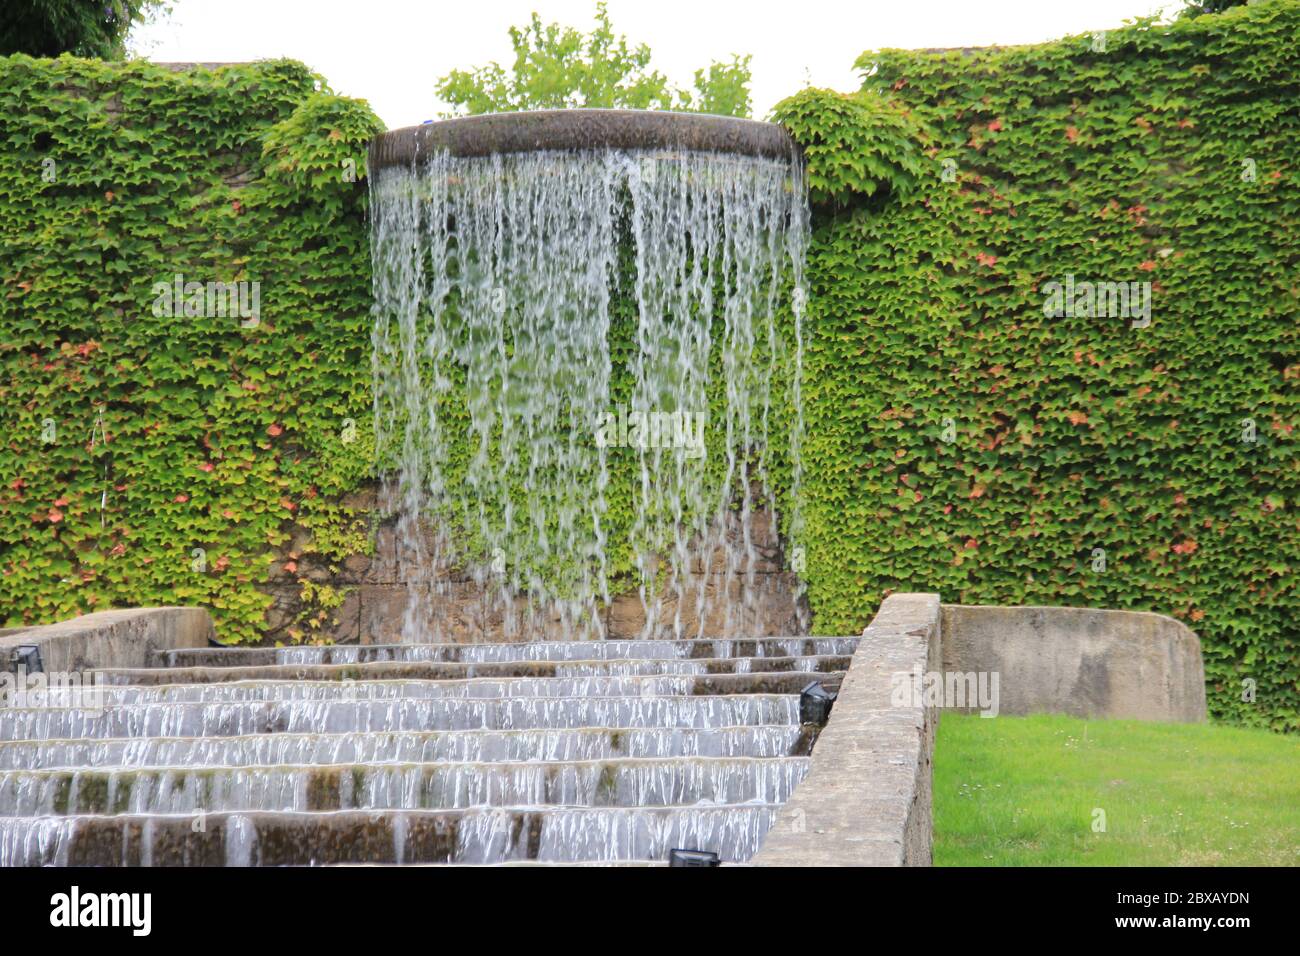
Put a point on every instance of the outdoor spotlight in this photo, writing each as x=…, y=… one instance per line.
x=28, y=657
x=693, y=858
x=815, y=704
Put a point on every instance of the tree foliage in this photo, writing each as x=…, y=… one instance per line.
x=559, y=67
x=86, y=28
x=1199, y=8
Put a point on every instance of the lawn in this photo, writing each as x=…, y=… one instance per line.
x=1012, y=791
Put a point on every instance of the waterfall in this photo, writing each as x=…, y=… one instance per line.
x=586, y=380
x=586, y=384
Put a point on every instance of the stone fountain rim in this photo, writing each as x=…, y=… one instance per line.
x=575, y=129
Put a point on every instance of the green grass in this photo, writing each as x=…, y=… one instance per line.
x=1016, y=791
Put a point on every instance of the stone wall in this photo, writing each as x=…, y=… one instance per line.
x=374, y=590
x=122, y=638
x=867, y=798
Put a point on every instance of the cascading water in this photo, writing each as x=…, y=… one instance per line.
x=538, y=313
x=281, y=768
x=586, y=367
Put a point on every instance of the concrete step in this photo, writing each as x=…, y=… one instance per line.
x=526, y=651
x=493, y=835
x=343, y=716
x=589, y=743
x=594, y=752
x=678, y=781
x=474, y=688
x=454, y=670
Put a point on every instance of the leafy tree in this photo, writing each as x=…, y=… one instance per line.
x=89, y=28
x=1198, y=8
x=557, y=66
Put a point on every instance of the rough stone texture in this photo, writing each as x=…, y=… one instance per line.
x=375, y=593
x=867, y=798
x=581, y=129
x=123, y=638
x=1080, y=661
x=470, y=613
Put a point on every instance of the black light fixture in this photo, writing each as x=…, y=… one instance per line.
x=815, y=704
x=28, y=657
x=693, y=858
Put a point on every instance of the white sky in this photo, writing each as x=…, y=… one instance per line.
x=390, y=52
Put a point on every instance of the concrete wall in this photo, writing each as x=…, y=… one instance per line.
x=124, y=638
x=867, y=798
x=1080, y=661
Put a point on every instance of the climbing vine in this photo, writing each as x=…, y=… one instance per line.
x=151, y=451
x=966, y=438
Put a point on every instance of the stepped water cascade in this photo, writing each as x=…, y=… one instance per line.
x=538, y=279
x=436, y=753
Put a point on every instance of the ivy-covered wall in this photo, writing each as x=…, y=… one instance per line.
x=151, y=450
x=959, y=437
x=968, y=434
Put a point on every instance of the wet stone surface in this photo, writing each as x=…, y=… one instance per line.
x=602, y=752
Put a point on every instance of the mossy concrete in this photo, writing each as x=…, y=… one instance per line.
x=575, y=129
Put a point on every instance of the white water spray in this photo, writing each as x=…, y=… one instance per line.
x=552, y=333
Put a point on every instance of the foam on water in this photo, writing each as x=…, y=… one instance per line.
x=589, y=743
x=274, y=716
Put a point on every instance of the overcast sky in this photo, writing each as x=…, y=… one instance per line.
x=390, y=52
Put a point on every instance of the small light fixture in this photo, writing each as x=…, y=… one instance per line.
x=693, y=858
x=815, y=704
x=28, y=657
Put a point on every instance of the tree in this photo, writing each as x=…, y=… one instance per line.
x=89, y=28
x=558, y=67
x=1198, y=8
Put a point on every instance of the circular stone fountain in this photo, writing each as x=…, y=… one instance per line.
x=499, y=133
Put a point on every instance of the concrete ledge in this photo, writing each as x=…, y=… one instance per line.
x=867, y=798
x=124, y=638
x=566, y=129
x=1079, y=661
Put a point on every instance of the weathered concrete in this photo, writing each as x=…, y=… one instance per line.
x=828, y=669
x=123, y=638
x=570, y=129
x=867, y=798
x=1079, y=661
